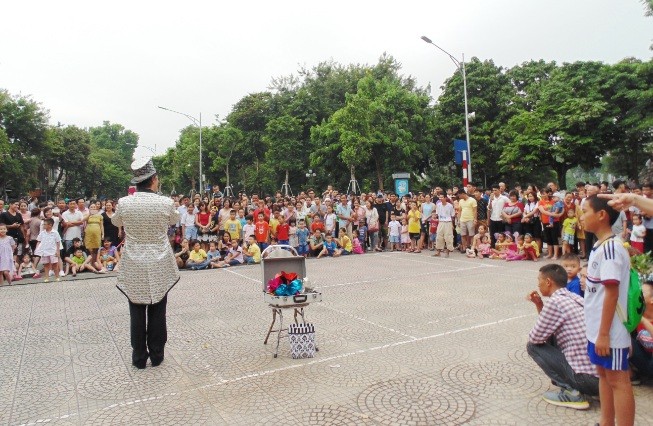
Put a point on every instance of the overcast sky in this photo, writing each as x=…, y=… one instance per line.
x=90, y=61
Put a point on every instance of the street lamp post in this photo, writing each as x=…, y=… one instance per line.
x=199, y=124
x=461, y=68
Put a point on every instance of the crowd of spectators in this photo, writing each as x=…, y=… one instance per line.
x=518, y=223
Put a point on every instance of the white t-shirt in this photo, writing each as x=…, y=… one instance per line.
x=330, y=222
x=638, y=233
x=427, y=208
x=395, y=228
x=48, y=243
x=188, y=219
x=609, y=264
x=248, y=230
x=497, y=204
x=445, y=212
x=72, y=231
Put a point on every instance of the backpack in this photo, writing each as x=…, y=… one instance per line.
x=635, y=305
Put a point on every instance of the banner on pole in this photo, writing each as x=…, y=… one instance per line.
x=459, y=145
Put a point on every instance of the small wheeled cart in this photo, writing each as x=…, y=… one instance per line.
x=282, y=258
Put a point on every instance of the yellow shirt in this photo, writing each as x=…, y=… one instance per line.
x=197, y=256
x=273, y=226
x=467, y=209
x=345, y=243
x=233, y=227
x=569, y=226
x=255, y=252
x=413, y=221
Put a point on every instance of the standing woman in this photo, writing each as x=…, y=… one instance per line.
x=531, y=223
x=372, y=216
x=512, y=213
x=111, y=232
x=94, y=233
x=223, y=215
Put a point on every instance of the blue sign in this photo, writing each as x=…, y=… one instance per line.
x=459, y=146
x=401, y=187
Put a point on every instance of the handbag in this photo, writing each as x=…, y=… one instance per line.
x=302, y=340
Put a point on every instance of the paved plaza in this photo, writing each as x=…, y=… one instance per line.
x=404, y=339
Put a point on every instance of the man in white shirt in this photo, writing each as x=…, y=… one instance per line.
x=495, y=207
x=446, y=213
x=73, y=220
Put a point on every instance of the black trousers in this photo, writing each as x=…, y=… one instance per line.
x=590, y=239
x=148, y=330
x=496, y=226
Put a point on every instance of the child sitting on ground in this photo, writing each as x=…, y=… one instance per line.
x=330, y=248
x=499, y=250
x=518, y=253
x=81, y=262
x=213, y=255
x=531, y=248
x=344, y=242
x=571, y=263
x=484, y=248
x=251, y=252
x=105, y=260
x=197, y=257
x=26, y=268
x=234, y=257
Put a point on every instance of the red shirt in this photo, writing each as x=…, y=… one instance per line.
x=317, y=225
x=265, y=211
x=203, y=218
x=283, y=232
x=262, y=231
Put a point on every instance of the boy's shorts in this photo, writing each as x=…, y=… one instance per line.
x=46, y=260
x=394, y=239
x=302, y=249
x=191, y=233
x=616, y=361
x=568, y=238
x=283, y=242
x=432, y=237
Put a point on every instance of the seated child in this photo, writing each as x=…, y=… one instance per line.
x=197, y=257
x=213, y=255
x=26, y=269
x=484, y=247
x=252, y=252
x=81, y=262
x=531, y=248
x=105, y=260
x=330, y=248
x=571, y=263
x=344, y=242
x=235, y=256
x=501, y=245
x=518, y=253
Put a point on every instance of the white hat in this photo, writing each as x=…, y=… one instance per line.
x=142, y=168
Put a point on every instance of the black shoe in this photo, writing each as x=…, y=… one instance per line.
x=156, y=360
x=140, y=364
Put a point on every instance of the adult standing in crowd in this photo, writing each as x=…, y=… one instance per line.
x=15, y=227
x=495, y=207
x=384, y=218
x=111, y=231
x=148, y=268
x=72, y=220
x=467, y=209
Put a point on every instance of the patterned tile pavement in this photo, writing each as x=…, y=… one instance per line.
x=404, y=339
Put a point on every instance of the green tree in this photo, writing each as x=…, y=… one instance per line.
x=567, y=126
x=23, y=127
x=286, y=149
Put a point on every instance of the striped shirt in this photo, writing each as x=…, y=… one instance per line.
x=562, y=317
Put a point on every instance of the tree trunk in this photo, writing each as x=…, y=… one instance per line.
x=353, y=180
x=56, y=183
x=226, y=170
x=561, y=171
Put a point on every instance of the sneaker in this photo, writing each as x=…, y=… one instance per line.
x=62, y=274
x=51, y=273
x=57, y=279
x=566, y=398
x=47, y=280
